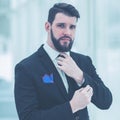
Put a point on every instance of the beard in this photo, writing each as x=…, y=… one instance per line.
x=59, y=47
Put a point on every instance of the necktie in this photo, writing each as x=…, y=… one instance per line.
x=71, y=87
x=62, y=75
x=71, y=83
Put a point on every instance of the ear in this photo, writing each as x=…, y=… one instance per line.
x=47, y=26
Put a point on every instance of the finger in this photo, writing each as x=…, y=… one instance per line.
x=86, y=89
x=80, y=89
x=89, y=89
x=60, y=63
x=90, y=96
x=60, y=59
x=90, y=92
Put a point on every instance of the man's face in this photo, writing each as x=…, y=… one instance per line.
x=60, y=44
x=63, y=32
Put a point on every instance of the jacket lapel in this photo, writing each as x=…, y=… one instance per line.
x=49, y=66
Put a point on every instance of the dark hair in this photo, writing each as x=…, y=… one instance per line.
x=64, y=8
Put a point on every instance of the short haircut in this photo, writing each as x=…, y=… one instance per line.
x=64, y=8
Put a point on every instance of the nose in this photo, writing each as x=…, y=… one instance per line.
x=67, y=31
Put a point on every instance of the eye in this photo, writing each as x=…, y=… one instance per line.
x=72, y=27
x=61, y=25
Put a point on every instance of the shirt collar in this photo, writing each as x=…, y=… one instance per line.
x=51, y=52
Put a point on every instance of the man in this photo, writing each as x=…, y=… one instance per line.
x=55, y=83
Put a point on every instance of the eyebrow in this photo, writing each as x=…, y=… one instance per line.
x=65, y=23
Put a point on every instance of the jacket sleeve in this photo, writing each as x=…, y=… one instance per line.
x=102, y=96
x=27, y=103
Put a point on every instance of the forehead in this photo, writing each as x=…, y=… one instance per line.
x=62, y=18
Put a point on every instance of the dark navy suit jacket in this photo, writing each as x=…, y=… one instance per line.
x=40, y=93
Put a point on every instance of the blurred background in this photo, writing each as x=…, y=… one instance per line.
x=98, y=35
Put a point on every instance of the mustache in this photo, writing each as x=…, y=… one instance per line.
x=65, y=37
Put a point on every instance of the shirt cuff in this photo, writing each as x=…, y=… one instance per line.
x=80, y=84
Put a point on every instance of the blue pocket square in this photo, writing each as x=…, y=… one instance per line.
x=48, y=78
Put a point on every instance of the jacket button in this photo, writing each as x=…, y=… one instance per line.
x=77, y=118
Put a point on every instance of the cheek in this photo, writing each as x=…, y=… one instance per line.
x=72, y=34
x=57, y=34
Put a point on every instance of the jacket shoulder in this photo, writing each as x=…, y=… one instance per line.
x=78, y=55
x=29, y=60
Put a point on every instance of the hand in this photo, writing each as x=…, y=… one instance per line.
x=68, y=65
x=81, y=98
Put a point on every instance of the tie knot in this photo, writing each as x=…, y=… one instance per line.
x=60, y=56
